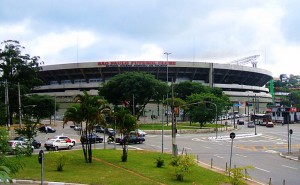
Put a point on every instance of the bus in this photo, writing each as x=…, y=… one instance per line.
x=261, y=119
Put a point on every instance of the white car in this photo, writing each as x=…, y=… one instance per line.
x=15, y=145
x=56, y=144
x=65, y=138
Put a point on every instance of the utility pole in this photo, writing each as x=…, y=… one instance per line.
x=166, y=53
x=20, y=108
x=7, y=104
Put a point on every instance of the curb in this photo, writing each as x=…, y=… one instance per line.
x=23, y=182
x=290, y=157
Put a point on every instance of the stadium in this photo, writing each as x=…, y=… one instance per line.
x=241, y=83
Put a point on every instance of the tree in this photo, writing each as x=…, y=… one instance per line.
x=184, y=89
x=125, y=123
x=17, y=68
x=39, y=106
x=134, y=90
x=91, y=110
x=205, y=106
x=73, y=114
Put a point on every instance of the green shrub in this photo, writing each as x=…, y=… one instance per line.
x=182, y=165
x=238, y=177
x=60, y=160
x=160, y=162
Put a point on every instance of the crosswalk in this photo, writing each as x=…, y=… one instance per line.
x=259, y=142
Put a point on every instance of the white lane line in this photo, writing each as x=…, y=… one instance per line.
x=262, y=169
x=241, y=155
x=289, y=167
x=135, y=148
x=218, y=156
x=206, y=147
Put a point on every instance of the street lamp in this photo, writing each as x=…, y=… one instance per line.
x=166, y=53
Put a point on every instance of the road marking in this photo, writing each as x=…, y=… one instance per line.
x=289, y=167
x=218, y=156
x=241, y=155
x=206, y=147
x=135, y=147
x=262, y=169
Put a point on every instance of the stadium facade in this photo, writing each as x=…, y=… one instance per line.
x=242, y=83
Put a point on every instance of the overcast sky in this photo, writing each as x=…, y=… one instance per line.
x=68, y=31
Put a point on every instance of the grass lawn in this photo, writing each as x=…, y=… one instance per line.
x=180, y=125
x=107, y=168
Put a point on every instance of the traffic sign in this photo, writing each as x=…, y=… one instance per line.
x=232, y=135
x=41, y=156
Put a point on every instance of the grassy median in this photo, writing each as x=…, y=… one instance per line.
x=107, y=168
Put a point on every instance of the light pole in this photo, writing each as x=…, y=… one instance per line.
x=166, y=53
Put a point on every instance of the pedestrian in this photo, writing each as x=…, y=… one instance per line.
x=46, y=129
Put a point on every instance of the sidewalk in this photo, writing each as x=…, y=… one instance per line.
x=292, y=156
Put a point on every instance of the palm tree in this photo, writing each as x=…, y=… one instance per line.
x=91, y=110
x=125, y=123
x=73, y=114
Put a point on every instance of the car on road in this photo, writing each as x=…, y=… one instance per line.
x=57, y=144
x=47, y=129
x=269, y=124
x=240, y=122
x=110, y=131
x=77, y=127
x=138, y=133
x=99, y=129
x=34, y=143
x=250, y=124
x=92, y=138
x=17, y=146
x=64, y=137
x=130, y=139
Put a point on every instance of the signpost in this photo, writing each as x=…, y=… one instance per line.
x=41, y=161
x=232, y=136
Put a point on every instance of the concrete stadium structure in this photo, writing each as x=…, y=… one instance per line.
x=241, y=83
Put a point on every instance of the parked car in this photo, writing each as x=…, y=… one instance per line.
x=47, y=129
x=240, y=122
x=66, y=138
x=34, y=143
x=269, y=124
x=18, y=146
x=251, y=124
x=99, y=129
x=130, y=139
x=138, y=133
x=77, y=127
x=110, y=131
x=56, y=144
x=92, y=138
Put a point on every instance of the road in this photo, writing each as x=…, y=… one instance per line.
x=260, y=151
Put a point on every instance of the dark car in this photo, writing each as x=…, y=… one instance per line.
x=99, y=129
x=240, y=122
x=35, y=143
x=93, y=138
x=47, y=129
x=130, y=139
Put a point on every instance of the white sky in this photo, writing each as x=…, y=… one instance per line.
x=192, y=30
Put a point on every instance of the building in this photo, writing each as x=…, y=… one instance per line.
x=242, y=83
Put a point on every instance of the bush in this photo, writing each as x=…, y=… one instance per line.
x=60, y=160
x=238, y=177
x=182, y=166
x=160, y=162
